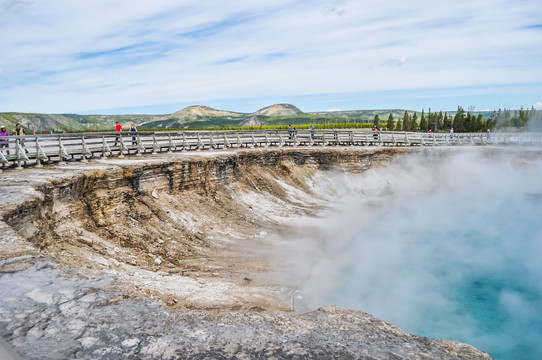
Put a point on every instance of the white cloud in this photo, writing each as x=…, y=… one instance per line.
x=61, y=56
x=538, y=106
x=395, y=61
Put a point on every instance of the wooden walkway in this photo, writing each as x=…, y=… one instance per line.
x=33, y=150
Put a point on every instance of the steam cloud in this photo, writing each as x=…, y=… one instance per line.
x=445, y=245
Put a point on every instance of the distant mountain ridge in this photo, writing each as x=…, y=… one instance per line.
x=196, y=116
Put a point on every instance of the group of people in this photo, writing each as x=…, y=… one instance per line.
x=18, y=131
x=133, y=132
x=292, y=132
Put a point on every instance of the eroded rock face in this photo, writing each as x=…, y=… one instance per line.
x=50, y=316
x=191, y=231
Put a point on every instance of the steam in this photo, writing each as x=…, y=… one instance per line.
x=534, y=123
x=445, y=245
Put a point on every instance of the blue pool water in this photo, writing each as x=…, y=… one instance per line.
x=443, y=246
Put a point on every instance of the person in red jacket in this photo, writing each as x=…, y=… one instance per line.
x=118, y=128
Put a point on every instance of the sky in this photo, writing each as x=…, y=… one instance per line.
x=157, y=57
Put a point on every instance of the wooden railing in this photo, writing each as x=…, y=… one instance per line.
x=35, y=149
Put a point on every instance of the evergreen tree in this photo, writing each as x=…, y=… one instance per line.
x=414, y=123
x=469, y=122
x=399, y=126
x=446, y=122
x=376, y=121
x=391, y=124
x=438, y=122
x=424, y=125
x=522, y=118
x=459, y=120
x=479, y=123
x=406, y=121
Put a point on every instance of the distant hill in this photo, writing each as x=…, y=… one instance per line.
x=199, y=112
x=279, y=110
x=192, y=117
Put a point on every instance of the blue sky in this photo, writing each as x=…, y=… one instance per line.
x=139, y=56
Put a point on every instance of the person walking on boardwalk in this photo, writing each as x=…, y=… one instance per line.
x=3, y=138
x=118, y=129
x=312, y=131
x=133, y=132
x=451, y=133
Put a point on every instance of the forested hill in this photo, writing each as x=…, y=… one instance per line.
x=197, y=117
x=189, y=117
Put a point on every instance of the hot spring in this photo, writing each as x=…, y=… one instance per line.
x=445, y=245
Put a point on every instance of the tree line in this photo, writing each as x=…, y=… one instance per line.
x=462, y=121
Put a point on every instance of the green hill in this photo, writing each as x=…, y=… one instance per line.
x=192, y=117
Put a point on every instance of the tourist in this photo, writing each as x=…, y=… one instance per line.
x=4, y=140
x=133, y=131
x=451, y=133
x=19, y=131
x=312, y=131
x=488, y=135
x=290, y=131
x=375, y=133
x=118, y=129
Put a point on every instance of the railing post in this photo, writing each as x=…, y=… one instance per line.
x=122, y=146
x=85, y=151
x=239, y=143
x=3, y=160
x=140, y=147
x=212, y=144
x=185, y=142
x=20, y=154
x=281, y=141
x=155, y=147
x=105, y=148
x=253, y=141
x=200, y=143
x=266, y=139
x=227, y=144
x=62, y=153
x=171, y=146
x=40, y=155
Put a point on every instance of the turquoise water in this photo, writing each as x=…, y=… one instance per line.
x=446, y=247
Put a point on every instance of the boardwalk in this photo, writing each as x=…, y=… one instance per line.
x=29, y=150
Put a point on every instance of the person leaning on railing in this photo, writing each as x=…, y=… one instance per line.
x=3, y=138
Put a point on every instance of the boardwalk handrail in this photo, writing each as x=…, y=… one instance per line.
x=36, y=149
